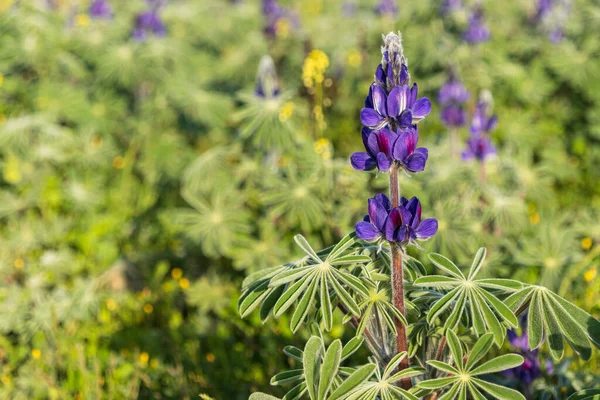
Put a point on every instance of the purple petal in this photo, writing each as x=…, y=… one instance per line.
x=405, y=144
x=370, y=117
x=401, y=234
x=380, y=74
x=427, y=229
x=392, y=223
x=414, y=91
x=405, y=119
x=378, y=213
x=379, y=99
x=415, y=162
x=383, y=162
x=383, y=199
x=385, y=140
x=403, y=201
x=365, y=133
x=397, y=100
x=373, y=143
x=421, y=108
x=403, y=74
x=367, y=231
x=467, y=155
x=493, y=121
x=414, y=208
x=362, y=161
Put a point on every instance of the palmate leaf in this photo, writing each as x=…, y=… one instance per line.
x=462, y=377
x=311, y=281
x=468, y=297
x=321, y=376
x=383, y=387
x=553, y=318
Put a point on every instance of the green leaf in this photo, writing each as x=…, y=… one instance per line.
x=500, y=308
x=291, y=376
x=352, y=346
x=291, y=294
x=477, y=262
x=441, y=305
x=254, y=297
x=351, y=281
x=506, y=285
x=350, y=260
x=290, y=275
x=311, y=362
x=437, y=383
x=499, y=392
x=329, y=369
x=342, y=245
x=261, y=396
x=455, y=348
x=445, y=264
x=354, y=381
x=479, y=350
x=491, y=321
x=304, y=305
x=303, y=244
x=587, y=394
x=269, y=303
x=576, y=336
x=553, y=333
x=442, y=366
x=345, y=298
x=293, y=352
x=535, y=324
x=437, y=281
x=326, y=309
x=498, y=364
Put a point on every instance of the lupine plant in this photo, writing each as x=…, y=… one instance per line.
x=433, y=331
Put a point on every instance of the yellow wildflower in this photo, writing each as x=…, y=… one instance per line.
x=286, y=111
x=36, y=354
x=323, y=148
x=535, y=218
x=354, y=58
x=148, y=308
x=313, y=70
x=144, y=357
x=19, y=263
x=82, y=20
x=586, y=243
x=118, y=162
x=184, y=283
x=176, y=273
x=590, y=274
x=210, y=357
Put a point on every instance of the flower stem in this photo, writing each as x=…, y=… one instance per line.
x=398, y=280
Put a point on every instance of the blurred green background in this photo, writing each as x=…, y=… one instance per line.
x=142, y=177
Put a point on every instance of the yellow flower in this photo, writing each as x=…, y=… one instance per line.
x=2, y=119
x=323, y=148
x=19, y=263
x=97, y=142
x=176, y=273
x=111, y=304
x=590, y=274
x=6, y=380
x=12, y=169
x=286, y=111
x=36, y=354
x=282, y=28
x=184, y=283
x=354, y=58
x=586, y=243
x=210, y=357
x=314, y=68
x=82, y=20
x=154, y=364
x=144, y=357
x=1, y=79
x=118, y=162
x=534, y=218
x=148, y=308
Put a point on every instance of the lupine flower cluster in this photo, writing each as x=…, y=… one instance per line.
x=387, y=8
x=101, y=9
x=277, y=18
x=149, y=23
x=551, y=15
x=452, y=97
x=531, y=368
x=267, y=85
x=479, y=145
x=392, y=110
x=477, y=29
x=450, y=6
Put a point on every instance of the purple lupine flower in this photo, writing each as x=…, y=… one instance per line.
x=101, y=9
x=384, y=147
x=405, y=151
x=400, y=106
x=272, y=12
x=477, y=30
x=379, y=145
x=452, y=96
x=479, y=148
x=267, y=85
x=387, y=8
x=450, y=6
x=531, y=369
x=544, y=7
x=373, y=226
x=148, y=23
x=482, y=124
x=404, y=223
x=349, y=8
